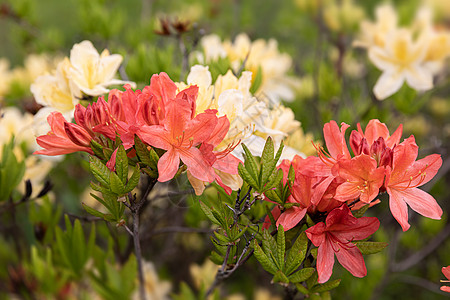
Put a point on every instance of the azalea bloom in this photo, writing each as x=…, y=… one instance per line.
x=93, y=72
x=63, y=138
x=180, y=135
x=446, y=272
x=363, y=179
x=335, y=237
x=401, y=59
x=403, y=179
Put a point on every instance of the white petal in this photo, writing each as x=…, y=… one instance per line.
x=388, y=84
x=419, y=78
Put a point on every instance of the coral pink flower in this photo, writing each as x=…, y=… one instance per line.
x=180, y=135
x=335, y=238
x=63, y=138
x=403, y=179
x=362, y=179
x=446, y=272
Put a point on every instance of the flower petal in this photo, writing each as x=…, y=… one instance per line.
x=168, y=165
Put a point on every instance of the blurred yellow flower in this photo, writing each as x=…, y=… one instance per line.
x=342, y=16
x=5, y=77
x=155, y=288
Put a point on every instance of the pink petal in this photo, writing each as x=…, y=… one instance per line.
x=394, y=139
x=156, y=136
x=420, y=201
x=398, y=208
x=325, y=262
x=352, y=259
x=168, y=165
x=335, y=139
x=446, y=272
x=291, y=217
x=374, y=130
x=197, y=164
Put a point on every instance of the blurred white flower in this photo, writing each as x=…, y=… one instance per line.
x=155, y=288
x=93, y=72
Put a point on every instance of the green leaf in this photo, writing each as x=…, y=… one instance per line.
x=97, y=149
x=301, y=289
x=122, y=164
x=92, y=211
x=276, y=180
x=281, y=246
x=146, y=156
x=134, y=180
x=360, y=212
x=267, y=165
x=246, y=176
x=326, y=286
x=99, y=170
x=301, y=275
x=370, y=247
x=270, y=215
x=280, y=277
x=274, y=196
x=251, y=165
x=257, y=80
x=116, y=184
x=291, y=174
x=265, y=262
x=297, y=253
x=207, y=211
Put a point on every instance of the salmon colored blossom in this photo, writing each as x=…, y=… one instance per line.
x=403, y=179
x=335, y=236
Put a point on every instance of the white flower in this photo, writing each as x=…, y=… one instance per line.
x=93, y=72
x=401, y=59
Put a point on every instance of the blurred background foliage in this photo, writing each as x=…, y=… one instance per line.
x=336, y=84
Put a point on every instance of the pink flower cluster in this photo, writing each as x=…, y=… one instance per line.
x=160, y=117
x=329, y=184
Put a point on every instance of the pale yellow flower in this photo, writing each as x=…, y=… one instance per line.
x=375, y=33
x=257, y=56
x=203, y=275
x=92, y=72
x=401, y=59
x=57, y=91
x=342, y=16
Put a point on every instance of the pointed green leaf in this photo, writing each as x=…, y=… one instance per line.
x=273, y=196
x=99, y=170
x=265, y=262
x=296, y=254
x=122, y=164
x=327, y=286
x=134, y=180
x=281, y=246
x=92, y=211
x=301, y=275
x=275, y=180
x=291, y=174
x=246, y=176
x=207, y=211
x=251, y=165
x=370, y=247
x=302, y=289
x=267, y=165
x=97, y=149
x=117, y=186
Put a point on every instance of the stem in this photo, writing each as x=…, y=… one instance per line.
x=137, y=249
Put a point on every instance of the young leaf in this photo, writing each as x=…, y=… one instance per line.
x=326, y=286
x=134, y=180
x=301, y=275
x=116, y=184
x=99, y=170
x=246, y=176
x=281, y=246
x=275, y=180
x=296, y=254
x=251, y=165
x=267, y=165
x=370, y=247
x=122, y=164
x=265, y=262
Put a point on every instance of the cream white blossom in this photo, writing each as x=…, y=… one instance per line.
x=92, y=72
x=260, y=57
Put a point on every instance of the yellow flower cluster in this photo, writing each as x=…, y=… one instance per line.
x=413, y=54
